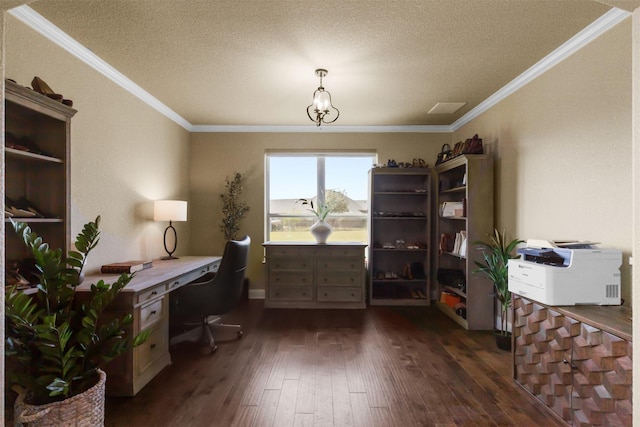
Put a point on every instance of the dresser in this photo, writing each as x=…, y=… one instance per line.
x=311, y=275
x=146, y=298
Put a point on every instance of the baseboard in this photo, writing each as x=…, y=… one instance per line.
x=256, y=294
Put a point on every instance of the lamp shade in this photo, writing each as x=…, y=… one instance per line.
x=169, y=210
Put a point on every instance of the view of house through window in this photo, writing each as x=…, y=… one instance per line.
x=341, y=180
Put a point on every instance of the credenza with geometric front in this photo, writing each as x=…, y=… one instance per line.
x=576, y=360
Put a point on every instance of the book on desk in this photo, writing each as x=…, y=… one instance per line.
x=125, y=267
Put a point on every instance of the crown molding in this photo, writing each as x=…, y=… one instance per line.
x=41, y=25
x=323, y=129
x=601, y=25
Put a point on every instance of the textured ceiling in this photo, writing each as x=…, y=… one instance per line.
x=252, y=62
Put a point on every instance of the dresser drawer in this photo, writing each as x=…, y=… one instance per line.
x=339, y=294
x=152, y=349
x=345, y=252
x=151, y=313
x=337, y=264
x=289, y=251
x=291, y=294
x=277, y=280
x=345, y=279
x=291, y=264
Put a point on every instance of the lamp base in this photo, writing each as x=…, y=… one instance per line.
x=164, y=258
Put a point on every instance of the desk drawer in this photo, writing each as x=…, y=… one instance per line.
x=291, y=294
x=152, y=349
x=152, y=293
x=339, y=294
x=151, y=313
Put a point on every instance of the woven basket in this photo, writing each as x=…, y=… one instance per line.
x=84, y=409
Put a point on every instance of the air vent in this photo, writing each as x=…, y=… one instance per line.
x=612, y=291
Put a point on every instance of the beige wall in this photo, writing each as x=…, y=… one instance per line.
x=214, y=156
x=563, y=150
x=123, y=153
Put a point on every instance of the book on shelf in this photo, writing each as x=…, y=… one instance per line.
x=125, y=267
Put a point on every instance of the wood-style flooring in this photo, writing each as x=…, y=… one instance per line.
x=376, y=367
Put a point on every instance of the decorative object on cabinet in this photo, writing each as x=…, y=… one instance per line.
x=400, y=234
x=321, y=105
x=465, y=181
x=170, y=210
x=233, y=209
x=576, y=360
x=42, y=87
x=496, y=253
x=57, y=346
x=309, y=275
x=321, y=230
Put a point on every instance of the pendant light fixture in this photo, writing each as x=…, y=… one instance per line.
x=320, y=110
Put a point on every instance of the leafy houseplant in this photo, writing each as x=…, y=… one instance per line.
x=56, y=342
x=496, y=253
x=233, y=210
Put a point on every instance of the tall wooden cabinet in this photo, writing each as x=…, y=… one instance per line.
x=400, y=236
x=37, y=134
x=465, y=209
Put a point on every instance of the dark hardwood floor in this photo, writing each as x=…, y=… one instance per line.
x=375, y=367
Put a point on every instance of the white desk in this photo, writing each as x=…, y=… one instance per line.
x=146, y=298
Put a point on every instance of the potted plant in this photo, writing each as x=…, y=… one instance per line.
x=233, y=210
x=55, y=343
x=320, y=229
x=496, y=253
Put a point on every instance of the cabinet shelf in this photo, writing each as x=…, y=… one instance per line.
x=402, y=193
x=392, y=194
x=41, y=220
x=26, y=155
x=460, y=189
x=456, y=291
x=476, y=171
x=452, y=314
x=44, y=180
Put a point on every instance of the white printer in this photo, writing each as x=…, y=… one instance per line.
x=566, y=273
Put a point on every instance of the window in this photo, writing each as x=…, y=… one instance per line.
x=339, y=179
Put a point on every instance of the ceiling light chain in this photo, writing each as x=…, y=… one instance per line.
x=321, y=105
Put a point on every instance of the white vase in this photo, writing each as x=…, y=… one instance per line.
x=321, y=231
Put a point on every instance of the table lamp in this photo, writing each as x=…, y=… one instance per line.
x=170, y=210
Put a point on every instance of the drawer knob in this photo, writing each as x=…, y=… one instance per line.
x=152, y=346
x=304, y=279
x=326, y=294
x=153, y=312
x=154, y=293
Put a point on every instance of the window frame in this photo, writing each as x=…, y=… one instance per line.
x=321, y=156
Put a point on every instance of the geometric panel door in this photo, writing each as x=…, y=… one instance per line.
x=580, y=372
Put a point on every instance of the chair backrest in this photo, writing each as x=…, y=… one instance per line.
x=229, y=280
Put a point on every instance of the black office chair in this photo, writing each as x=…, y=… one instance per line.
x=204, y=301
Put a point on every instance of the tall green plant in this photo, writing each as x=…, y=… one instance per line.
x=233, y=209
x=56, y=341
x=496, y=253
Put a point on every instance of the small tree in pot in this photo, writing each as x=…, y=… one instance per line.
x=233, y=209
x=56, y=343
x=496, y=253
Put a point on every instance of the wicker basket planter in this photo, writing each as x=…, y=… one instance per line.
x=84, y=409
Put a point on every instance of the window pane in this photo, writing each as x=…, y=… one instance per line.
x=292, y=177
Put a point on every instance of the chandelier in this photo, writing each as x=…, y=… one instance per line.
x=321, y=107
